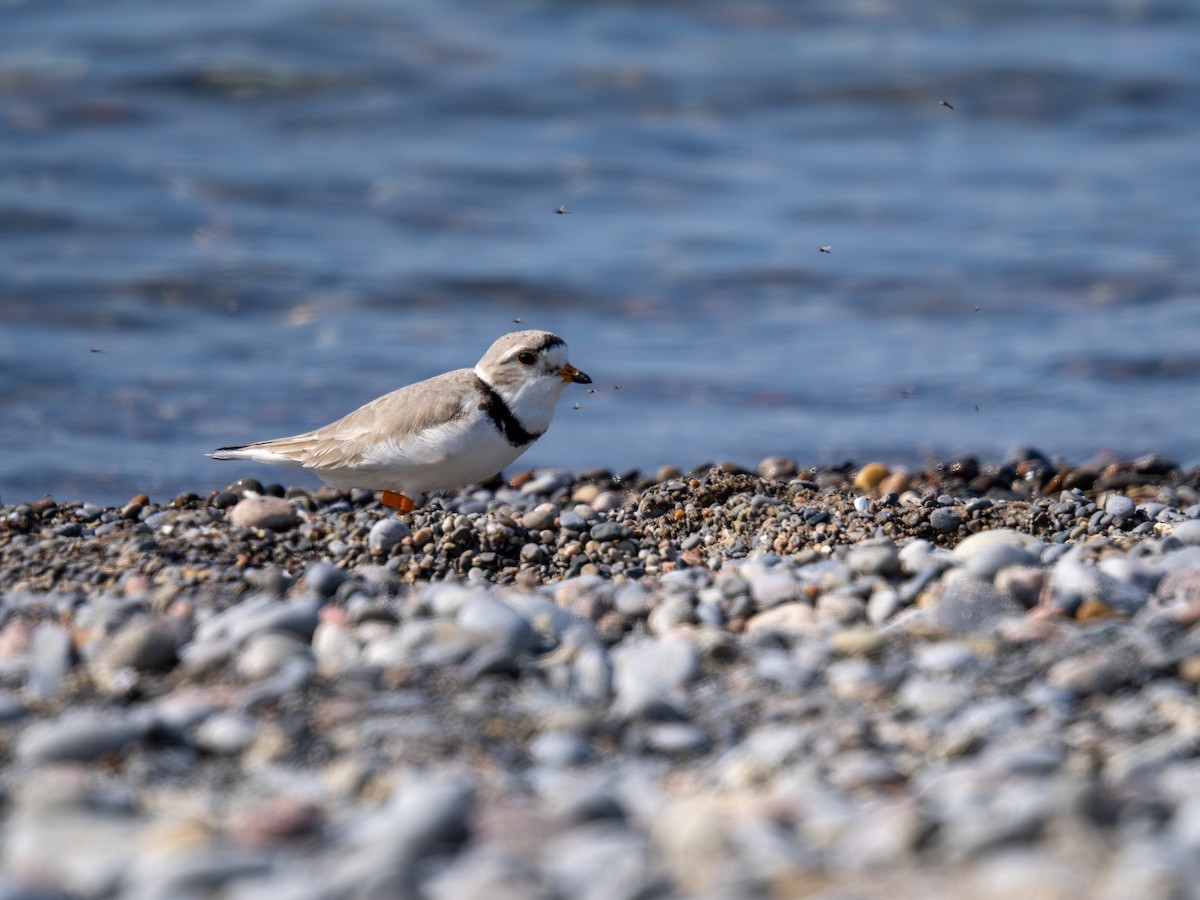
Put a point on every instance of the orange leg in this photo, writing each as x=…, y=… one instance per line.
x=397, y=501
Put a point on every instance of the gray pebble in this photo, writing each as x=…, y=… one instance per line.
x=992, y=558
x=672, y=610
x=225, y=734
x=1187, y=532
x=1073, y=582
x=874, y=558
x=883, y=603
x=149, y=645
x=772, y=588
x=386, y=534
x=569, y=520
x=944, y=657
x=632, y=601
x=297, y=617
x=323, y=578
x=967, y=606
x=945, y=520
x=933, y=696
x=49, y=661
x=676, y=739
x=1093, y=673
x=842, y=607
x=80, y=735
x=560, y=749
x=611, y=531
x=1119, y=507
x=267, y=653
x=335, y=650
x=493, y=620
x=11, y=709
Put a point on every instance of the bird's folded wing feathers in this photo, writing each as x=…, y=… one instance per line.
x=392, y=417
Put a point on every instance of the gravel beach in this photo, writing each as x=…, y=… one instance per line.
x=972, y=680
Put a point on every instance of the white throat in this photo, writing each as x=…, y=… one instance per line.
x=531, y=400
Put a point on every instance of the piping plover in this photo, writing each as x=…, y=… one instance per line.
x=443, y=432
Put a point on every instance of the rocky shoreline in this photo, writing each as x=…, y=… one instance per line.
x=970, y=680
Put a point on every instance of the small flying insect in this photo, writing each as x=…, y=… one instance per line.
x=563, y=211
x=828, y=248
x=945, y=103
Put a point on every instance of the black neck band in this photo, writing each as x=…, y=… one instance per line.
x=502, y=417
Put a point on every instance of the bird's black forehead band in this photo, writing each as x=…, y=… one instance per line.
x=550, y=340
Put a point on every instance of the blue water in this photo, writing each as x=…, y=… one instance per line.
x=229, y=221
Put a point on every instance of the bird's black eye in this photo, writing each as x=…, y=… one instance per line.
x=526, y=358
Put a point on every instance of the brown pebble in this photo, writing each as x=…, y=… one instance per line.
x=277, y=820
x=870, y=475
x=520, y=480
x=1189, y=669
x=1093, y=610
x=15, y=638
x=333, y=615
x=43, y=505
x=272, y=513
x=585, y=493
x=778, y=468
x=896, y=483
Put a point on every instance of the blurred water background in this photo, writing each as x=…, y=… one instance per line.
x=228, y=221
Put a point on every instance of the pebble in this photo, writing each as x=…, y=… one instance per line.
x=945, y=520
x=788, y=619
x=225, y=734
x=323, y=578
x=966, y=606
x=494, y=620
x=49, y=661
x=267, y=653
x=874, y=557
x=870, y=475
x=985, y=563
x=80, y=736
x=271, y=513
x=1119, y=507
x=1187, y=532
x=148, y=645
x=975, y=543
x=560, y=750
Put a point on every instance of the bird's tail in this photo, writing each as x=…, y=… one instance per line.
x=261, y=453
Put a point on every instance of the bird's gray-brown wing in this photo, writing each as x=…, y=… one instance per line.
x=392, y=417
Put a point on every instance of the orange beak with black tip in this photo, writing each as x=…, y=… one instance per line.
x=572, y=375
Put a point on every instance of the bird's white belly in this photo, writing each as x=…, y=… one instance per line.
x=457, y=453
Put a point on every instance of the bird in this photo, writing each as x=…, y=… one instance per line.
x=449, y=430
